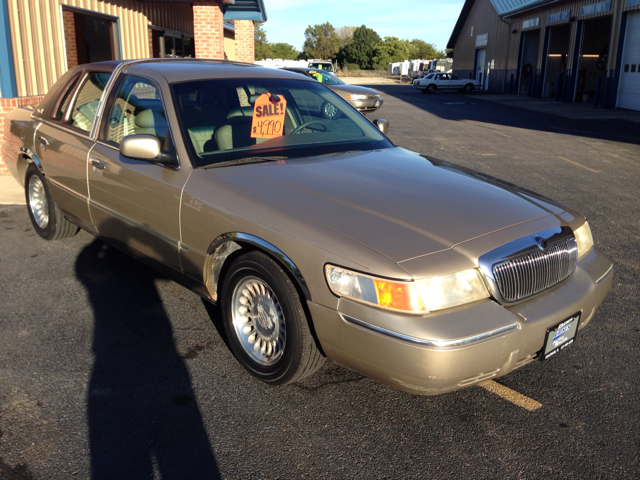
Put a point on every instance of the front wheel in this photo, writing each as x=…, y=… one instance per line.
x=46, y=217
x=468, y=88
x=265, y=321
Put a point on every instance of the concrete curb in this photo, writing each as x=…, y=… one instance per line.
x=11, y=192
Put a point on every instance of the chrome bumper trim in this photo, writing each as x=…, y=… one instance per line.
x=605, y=276
x=425, y=342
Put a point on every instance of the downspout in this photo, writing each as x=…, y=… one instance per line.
x=506, y=56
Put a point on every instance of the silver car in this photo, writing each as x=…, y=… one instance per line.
x=362, y=99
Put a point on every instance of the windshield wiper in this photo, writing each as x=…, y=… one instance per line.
x=240, y=161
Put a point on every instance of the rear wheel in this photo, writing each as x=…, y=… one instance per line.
x=266, y=323
x=46, y=218
x=431, y=88
x=423, y=90
x=468, y=88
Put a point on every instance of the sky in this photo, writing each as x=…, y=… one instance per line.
x=428, y=20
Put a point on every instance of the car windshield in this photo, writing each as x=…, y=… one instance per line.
x=232, y=119
x=321, y=66
x=325, y=78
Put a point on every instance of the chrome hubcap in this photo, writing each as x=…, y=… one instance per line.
x=258, y=320
x=38, y=201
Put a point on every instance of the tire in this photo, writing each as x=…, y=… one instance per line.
x=265, y=321
x=46, y=217
x=431, y=88
x=468, y=88
x=423, y=90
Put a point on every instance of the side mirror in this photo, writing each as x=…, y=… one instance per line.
x=140, y=147
x=147, y=147
x=382, y=125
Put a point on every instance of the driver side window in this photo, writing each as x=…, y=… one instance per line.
x=137, y=108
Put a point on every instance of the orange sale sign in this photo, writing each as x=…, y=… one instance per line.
x=268, y=116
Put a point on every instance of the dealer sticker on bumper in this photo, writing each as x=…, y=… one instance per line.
x=560, y=336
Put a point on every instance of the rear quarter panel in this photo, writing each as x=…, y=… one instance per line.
x=19, y=130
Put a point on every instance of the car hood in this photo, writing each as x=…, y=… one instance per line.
x=346, y=89
x=395, y=202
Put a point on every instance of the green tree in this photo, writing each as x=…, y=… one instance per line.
x=262, y=47
x=321, y=42
x=392, y=49
x=284, y=51
x=421, y=49
x=360, y=50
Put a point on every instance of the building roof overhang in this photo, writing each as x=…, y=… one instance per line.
x=504, y=9
x=235, y=9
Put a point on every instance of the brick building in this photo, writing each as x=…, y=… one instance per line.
x=585, y=51
x=41, y=39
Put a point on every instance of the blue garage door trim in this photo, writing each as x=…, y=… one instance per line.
x=8, y=87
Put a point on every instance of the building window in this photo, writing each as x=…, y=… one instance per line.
x=169, y=44
x=90, y=37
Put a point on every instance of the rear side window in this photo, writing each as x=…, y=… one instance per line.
x=64, y=105
x=84, y=110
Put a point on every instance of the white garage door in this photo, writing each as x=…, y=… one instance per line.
x=629, y=91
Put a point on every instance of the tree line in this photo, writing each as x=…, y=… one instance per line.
x=352, y=47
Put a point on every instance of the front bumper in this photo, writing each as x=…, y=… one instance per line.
x=456, y=348
x=369, y=105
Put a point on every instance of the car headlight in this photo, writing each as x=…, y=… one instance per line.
x=584, y=239
x=356, y=97
x=422, y=296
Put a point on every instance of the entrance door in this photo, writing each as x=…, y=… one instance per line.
x=629, y=92
x=481, y=60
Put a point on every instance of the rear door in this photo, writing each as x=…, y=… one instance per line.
x=63, y=143
x=136, y=203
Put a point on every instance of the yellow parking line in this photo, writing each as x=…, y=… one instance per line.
x=503, y=134
x=579, y=164
x=511, y=395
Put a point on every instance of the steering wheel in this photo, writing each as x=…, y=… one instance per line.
x=299, y=128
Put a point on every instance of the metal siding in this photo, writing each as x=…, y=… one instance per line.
x=39, y=57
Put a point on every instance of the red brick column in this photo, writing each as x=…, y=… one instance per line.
x=69, y=31
x=245, y=42
x=6, y=105
x=150, y=33
x=207, y=29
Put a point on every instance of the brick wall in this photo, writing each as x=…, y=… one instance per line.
x=69, y=28
x=6, y=105
x=245, y=43
x=207, y=29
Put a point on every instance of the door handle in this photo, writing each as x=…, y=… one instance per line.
x=44, y=141
x=97, y=163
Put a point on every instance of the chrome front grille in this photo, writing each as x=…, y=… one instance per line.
x=533, y=272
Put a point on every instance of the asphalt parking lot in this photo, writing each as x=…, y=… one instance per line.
x=108, y=370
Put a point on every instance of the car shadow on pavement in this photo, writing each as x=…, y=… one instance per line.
x=142, y=413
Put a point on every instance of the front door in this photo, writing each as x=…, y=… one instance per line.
x=136, y=203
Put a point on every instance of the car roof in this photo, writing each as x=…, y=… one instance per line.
x=186, y=69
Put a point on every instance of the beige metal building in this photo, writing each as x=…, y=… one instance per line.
x=571, y=51
x=41, y=39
